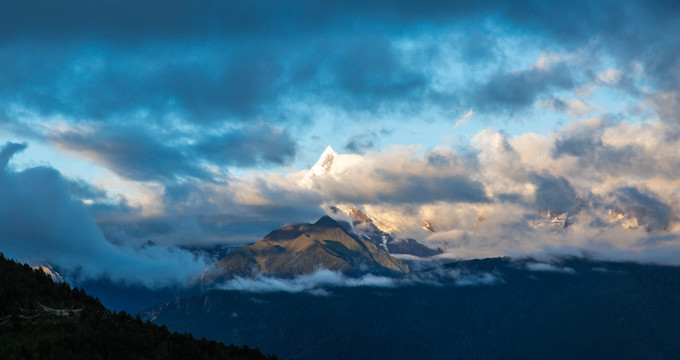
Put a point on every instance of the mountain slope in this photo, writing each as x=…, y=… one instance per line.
x=331, y=164
x=40, y=319
x=366, y=229
x=579, y=309
x=302, y=249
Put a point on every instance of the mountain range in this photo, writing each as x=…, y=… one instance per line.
x=305, y=248
x=481, y=309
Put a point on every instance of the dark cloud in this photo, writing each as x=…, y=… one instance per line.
x=93, y=81
x=154, y=154
x=213, y=61
x=131, y=152
x=371, y=69
x=82, y=190
x=665, y=68
x=249, y=146
x=583, y=141
x=464, y=158
x=196, y=213
x=397, y=189
x=98, y=203
x=40, y=221
x=416, y=189
x=127, y=20
x=9, y=150
x=479, y=48
x=554, y=194
x=370, y=140
x=513, y=91
x=655, y=239
x=116, y=209
x=360, y=143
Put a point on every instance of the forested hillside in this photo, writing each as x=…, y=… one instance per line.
x=43, y=320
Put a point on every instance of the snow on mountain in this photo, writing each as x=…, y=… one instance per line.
x=330, y=163
x=365, y=228
x=343, y=167
x=551, y=221
x=47, y=269
x=303, y=249
x=322, y=166
x=325, y=162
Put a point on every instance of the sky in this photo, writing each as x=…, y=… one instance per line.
x=131, y=129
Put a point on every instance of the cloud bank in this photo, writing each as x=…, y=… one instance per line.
x=616, y=193
x=318, y=282
x=40, y=221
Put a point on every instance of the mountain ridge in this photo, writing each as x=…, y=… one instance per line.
x=43, y=319
x=304, y=248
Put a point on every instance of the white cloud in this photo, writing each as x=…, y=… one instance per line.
x=319, y=281
x=305, y=283
x=610, y=76
x=465, y=118
x=543, y=267
x=591, y=169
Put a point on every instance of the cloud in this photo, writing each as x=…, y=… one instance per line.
x=153, y=154
x=9, y=150
x=254, y=145
x=132, y=152
x=372, y=69
x=543, y=267
x=490, y=201
x=361, y=143
x=554, y=194
x=118, y=60
x=464, y=119
x=515, y=90
x=40, y=221
x=575, y=108
x=398, y=178
x=643, y=208
x=206, y=107
x=305, y=283
x=318, y=282
x=582, y=142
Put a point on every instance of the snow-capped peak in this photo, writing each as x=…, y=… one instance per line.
x=47, y=269
x=322, y=166
x=325, y=162
x=551, y=221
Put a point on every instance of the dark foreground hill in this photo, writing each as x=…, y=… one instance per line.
x=43, y=320
x=484, y=309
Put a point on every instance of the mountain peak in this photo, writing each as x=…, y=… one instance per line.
x=303, y=249
x=327, y=221
x=329, y=150
x=321, y=167
x=49, y=271
x=325, y=162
